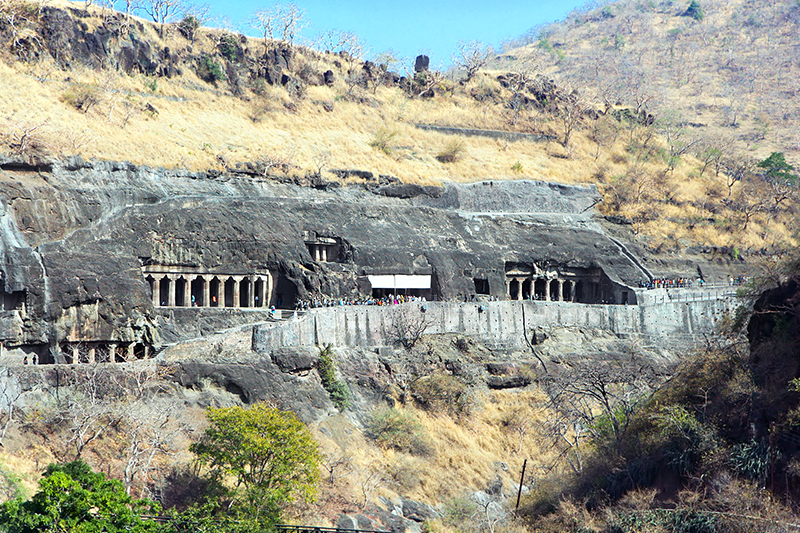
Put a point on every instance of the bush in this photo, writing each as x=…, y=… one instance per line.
x=399, y=430
x=695, y=10
x=228, y=47
x=209, y=70
x=337, y=389
x=752, y=460
x=442, y=393
x=188, y=26
x=451, y=152
x=81, y=96
x=383, y=141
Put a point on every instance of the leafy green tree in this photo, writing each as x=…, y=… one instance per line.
x=781, y=180
x=777, y=168
x=74, y=499
x=266, y=457
x=695, y=10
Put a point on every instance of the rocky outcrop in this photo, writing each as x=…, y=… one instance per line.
x=76, y=235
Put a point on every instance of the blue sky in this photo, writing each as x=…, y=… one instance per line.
x=412, y=27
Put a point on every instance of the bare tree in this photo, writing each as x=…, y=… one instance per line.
x=280, y=22
x=335, y=41
x=673, y=129
x=338, y=465
x=569, y=111
x=150, y=430
x=10, y=393
x=601, y=396
x=24, y=137
x=736, y=168
x=86, y=409
x=162, y=11
x=489, y=511
x=472, y=56
x=370, y=479
x=321, y=158
x=407, y=327
x=749, y=201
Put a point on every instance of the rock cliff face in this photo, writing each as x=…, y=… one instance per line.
x=79, y=238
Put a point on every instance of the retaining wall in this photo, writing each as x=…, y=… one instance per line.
x=500, y=324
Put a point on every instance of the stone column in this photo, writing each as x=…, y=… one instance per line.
x=76, y=354
x=221, y=292
x=237, y=293
x=546, y=290
x=112, y=353
x=187, y=291
x=130, y=356
x=270, y=290
x=560, y=293
x=324, y=253
x=92, y=355
x=251, y=294
x=206, y=292
x=157, y=292
x=145, y=351
x=173, y=288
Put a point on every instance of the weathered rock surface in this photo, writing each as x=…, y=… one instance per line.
x=76, y=234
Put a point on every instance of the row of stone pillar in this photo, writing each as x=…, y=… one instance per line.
x=257, y=287
x=91, y=355
x=319, y=252
x=564, y=289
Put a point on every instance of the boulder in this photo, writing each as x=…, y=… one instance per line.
x=295, y=359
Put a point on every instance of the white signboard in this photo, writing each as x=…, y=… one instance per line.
x=400, y=281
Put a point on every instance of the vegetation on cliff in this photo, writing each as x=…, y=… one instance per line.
x=211, y=100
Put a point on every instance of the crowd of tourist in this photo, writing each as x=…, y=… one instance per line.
x=687, y=283
x=391, y=299
x=671, y=283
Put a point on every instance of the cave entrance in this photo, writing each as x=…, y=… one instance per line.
x=526, y=289
x=579, y=292
x=213, y=286
x=554, y=286
x=139, y=351
x=540, y=289
x=244, y=292
x=481, y=286
x=513, y=290
x=163, y=292
x=180, y=292
x=285, y=293
x=258, y=298
x=230, y=285
x=198, y=291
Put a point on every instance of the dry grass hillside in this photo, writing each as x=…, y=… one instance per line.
x=726, y=72
x=672, y=196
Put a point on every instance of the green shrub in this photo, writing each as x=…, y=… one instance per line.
x=399, y=430
x=442, y=393
x=383, y=141
x=151, y=84
x=81, y=96
x=228, y=47
x=209, y=70
x=751, y=459
x=516, y=168
x=451, y=152
x=695, y=10
x=337, y=389
x=188, y=26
